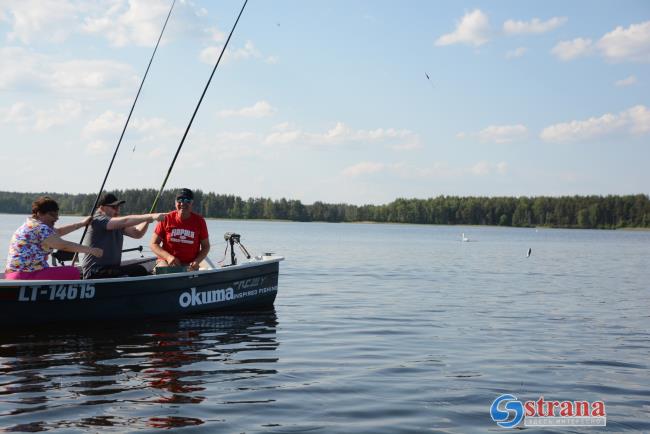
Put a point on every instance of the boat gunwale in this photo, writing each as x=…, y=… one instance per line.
x=13, y=283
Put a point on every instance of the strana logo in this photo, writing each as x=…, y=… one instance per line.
x=508, y=412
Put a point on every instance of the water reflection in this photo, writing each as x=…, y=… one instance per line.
x=137, y=376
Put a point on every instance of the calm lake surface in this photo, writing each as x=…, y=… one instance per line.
x=376, y=329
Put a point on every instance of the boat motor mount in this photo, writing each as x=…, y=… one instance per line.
x=232, y=239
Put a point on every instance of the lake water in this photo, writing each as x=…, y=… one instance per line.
x=376, y=329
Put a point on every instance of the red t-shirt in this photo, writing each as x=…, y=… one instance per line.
x=182, y=238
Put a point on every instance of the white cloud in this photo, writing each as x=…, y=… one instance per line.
x=157, y=152
x=400, y=170
x=283, y=137
x=342, y=134
x=97, y=147
x=503, y=133
x=121, y=22
x=64, y=113
x=108, y=122
x=363, y=168
x=141, y=131
x=628, y=81
x=43, y=20
x=18, y=114
x=481, y=168
x=635, y=120
x=259, y=110
x=215, y=34
x=243, y=136
x=432, y=170
x=472, y=29
x=498, y=133
x=630, y=44
x=568, y=50
x=284, y=126
x=129, y=22
x=484, y=168
x=25, y=117
x=639, y=119
x=210, y=54
x=407, y=146
x=82, y=79
x=153, y=131
x=149, y=125
x=517, y=52
x=512, y=27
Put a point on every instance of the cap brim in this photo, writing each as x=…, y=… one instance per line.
x=116, y=203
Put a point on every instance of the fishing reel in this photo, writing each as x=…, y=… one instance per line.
x=231, y=239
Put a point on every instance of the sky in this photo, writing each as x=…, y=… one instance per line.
x=335, y=101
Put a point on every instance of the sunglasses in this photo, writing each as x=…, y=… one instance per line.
x=183, y=200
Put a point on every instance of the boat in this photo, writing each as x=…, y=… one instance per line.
x=247, y=286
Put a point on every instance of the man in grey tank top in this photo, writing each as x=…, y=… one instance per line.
x=107, y=232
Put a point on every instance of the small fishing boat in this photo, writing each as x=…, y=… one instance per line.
x=247, y=286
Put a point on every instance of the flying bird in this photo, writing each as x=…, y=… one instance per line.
x=429, y=79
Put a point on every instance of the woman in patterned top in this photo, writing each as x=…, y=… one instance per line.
x=34, y=241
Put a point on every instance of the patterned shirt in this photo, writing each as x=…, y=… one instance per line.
x=25, y=250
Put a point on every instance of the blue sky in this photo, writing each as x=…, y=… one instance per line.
x=328, y=100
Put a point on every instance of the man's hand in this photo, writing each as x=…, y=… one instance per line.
x=173, y=261
x=194, y=265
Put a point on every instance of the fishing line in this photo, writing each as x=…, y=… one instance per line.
x=155, y=202
x=119, y=142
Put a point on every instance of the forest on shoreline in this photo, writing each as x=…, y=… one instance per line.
x=588, y=212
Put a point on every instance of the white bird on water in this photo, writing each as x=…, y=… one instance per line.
x=464, y=238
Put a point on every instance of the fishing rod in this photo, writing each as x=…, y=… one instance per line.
x=119, y=142
x=155, y=202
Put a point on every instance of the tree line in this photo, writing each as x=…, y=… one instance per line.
x=604, y=212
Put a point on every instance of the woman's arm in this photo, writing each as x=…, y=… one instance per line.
x=56, y=242
x=65, y=230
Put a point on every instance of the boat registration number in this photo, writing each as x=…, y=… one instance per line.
x=56, y=292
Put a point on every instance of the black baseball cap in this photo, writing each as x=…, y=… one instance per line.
x=185, y=193
x=109, y=199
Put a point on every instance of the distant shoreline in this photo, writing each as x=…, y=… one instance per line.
x=630, y=229
x=571, y=212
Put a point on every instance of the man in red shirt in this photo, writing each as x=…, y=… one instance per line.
x=183, y=234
